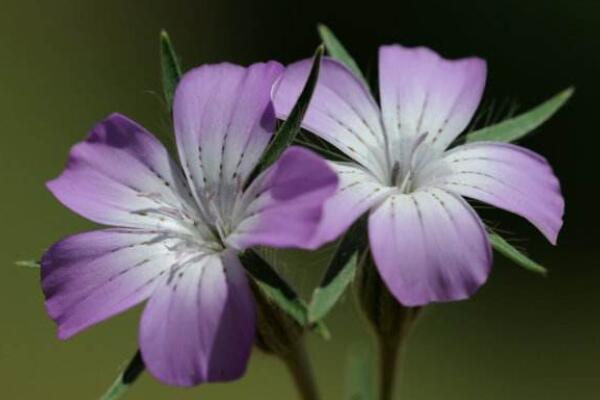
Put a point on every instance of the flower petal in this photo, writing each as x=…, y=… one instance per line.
x=119, y=175
x=341, y=111
x=429, y=246
x=504, y=175
x=357, y=192
x=283, y=206
x=199, y=325
x=223, y=120
x=92, y=276
x=422, y=93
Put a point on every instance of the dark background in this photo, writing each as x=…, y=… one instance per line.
x=66, y=64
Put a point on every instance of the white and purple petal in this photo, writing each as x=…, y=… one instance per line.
x=424, y=94
x=284, y=205
x=224, y=119
x=341, y=111
x=357, y=192
x=122, y=176
x=89, y=277
x=199, y=324
x=429, y=246
x=506, y=176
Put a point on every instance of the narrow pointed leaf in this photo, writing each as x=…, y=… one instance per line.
x=126, y=378
x=320, y=329
x=323, y=152
x=170, y=69
x=340, y=271
x=279, y=291
x=506, y=249
x=28, y=263
x=286, y=134
x=360, y=383
x=274, y=286
x=324, y=298
x=517, y=127
x=338, y=52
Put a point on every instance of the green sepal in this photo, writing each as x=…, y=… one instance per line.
x=126, y=378
x=287, y=132
x=502, y=246
x=170, y=68
x=340, y=271
x=517, y=127
x=338, y=52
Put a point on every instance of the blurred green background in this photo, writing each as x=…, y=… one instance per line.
x=66, y=64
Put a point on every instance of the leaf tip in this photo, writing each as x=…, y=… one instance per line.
x=164, y=35
x=323, y=29
x=312, y=315
x=27, y=263
x=568, y=92
x=321, y=329
x=320, y=50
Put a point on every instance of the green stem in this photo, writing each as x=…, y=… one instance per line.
x=299, y=366
x=388, y=366
x=126, y=379
x=390, y=348
x=389, y=320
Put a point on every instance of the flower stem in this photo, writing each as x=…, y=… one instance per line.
x=390, y=350
x=126, y=379
x=389, y=320
x=299, y=366
x=388, y=366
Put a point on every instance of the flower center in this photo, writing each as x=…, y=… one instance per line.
x=219, y=209
x=403, y=180
x=220, y=222
x=406, y=173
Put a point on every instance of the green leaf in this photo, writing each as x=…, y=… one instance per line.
x=286, y=134
x=279, y=291
x=28, y=263
x=340, y=271
x=360, y=383
x=325, y=296
x=321, y=329
x=506, y=249
x=338, y=52
x=170, y=69
x=274, y=286
x=517, y=127
x=323, y=152
x=126, y=378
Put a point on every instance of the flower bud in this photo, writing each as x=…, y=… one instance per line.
x=389, y=319
x=277, y=333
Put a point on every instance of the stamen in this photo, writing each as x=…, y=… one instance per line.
x=395, y=172
x=406, y=185
x=403, y=177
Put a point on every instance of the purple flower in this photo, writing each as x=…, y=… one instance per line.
x=427, y=241
x=176, y=231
